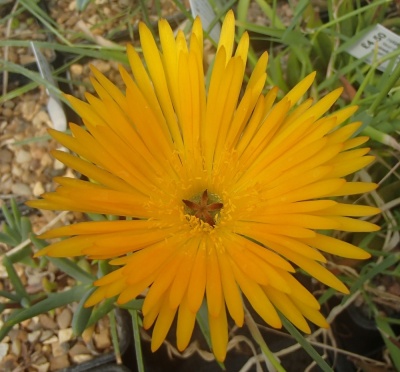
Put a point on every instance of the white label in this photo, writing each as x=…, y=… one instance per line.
x=376, y=43
x=57, y=114
x=54, y=106
x=203, y=9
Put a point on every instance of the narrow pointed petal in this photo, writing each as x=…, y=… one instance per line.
x=213, y=191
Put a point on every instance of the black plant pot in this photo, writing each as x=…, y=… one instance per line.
x=355, y=332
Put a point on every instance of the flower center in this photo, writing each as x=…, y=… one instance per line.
x=204, y=208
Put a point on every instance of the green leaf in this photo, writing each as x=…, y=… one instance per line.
x=7, y=328
x=202, y=321
x=10, y=296
x=116, y=54
x=293, y=38
x=53, y=301
x=65, y=264
x=38, y=243
x=390, y=339
x=257, y=337
x=300, y=8
x=72, y=269
x=9, y=218
x=26, y=228
x=82, y=4
x=114, y=335
x=242, y=10
x=133, y=305
x=293, y=70
x=82, y=314
x=12, y=233
x=101, y=310
x=359, y=10
x=21, y=255
x=18, y=92
x=97, y=217
x=8, y=239
x=305, y=345
x=271, y=14
x=137, y=340
x=16, y=214
x=15, y=280
x=372, y=270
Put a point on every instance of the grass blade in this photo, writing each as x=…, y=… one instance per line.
x=305, y=345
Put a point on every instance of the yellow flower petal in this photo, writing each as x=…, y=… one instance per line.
x=182, y=277
x=257, y=298
x=197, y=282
x=163, y=323
x=299, y=90
x=227, y=34
x=219, y=334
x=351, y=224
x=311, y=314
x=299, y=292
x=283, y=303
x=351, y=188
x=215, y=299
x=337, y=247
x=222, y=187
x=231, y=292
x=161, y=283
x=185, y=325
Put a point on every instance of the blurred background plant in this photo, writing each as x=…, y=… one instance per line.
x=300, y=36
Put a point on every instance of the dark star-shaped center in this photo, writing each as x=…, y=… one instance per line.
x=203, y=210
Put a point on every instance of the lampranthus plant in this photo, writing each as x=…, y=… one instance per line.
x=221, y=195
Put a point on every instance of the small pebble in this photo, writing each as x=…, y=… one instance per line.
x=9, y=104
x=7, y=112
x=77, y=349
x=21, y=189
x=28, y=108
x=26, y=59
x=9, y=363
x=16, y=171
x=102, y=340
x=72, y=6
x=102, y=66
x=3, y=349
x=76, y=69
x=34, y=336
x=58, y=165
x=38, y=189
x=51, y=340
x=23, y=157
x=16, y=347
x=46, y=334
x=41, y=118
x=59, y=362
x=5, y=156
x=57, y=348
x=65, y=335
x=81, y=358
x=44, y=367
x=47, y=322
x=64, y=318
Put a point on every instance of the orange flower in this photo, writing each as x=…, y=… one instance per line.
x=221, y=194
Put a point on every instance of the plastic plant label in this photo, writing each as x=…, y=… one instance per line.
x=54, y=106
x=376, y=44
x=203, y=9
